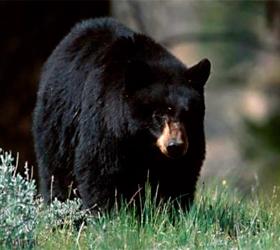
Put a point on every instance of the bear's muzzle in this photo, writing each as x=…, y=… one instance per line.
x=173, y=141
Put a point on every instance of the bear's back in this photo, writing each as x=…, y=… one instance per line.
x=91, y=37
x=77, y=54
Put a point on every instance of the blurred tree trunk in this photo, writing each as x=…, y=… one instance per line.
x=273, y=17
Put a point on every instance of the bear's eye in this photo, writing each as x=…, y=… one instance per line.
x=169, y=110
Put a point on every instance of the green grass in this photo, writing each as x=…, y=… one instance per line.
x=221, y=218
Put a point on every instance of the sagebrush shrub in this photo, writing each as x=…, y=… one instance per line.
x=18, y=208
x=22, y=213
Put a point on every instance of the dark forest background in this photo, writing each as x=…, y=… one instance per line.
x=29, y=32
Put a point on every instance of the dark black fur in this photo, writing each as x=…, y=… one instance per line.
x=102, y=97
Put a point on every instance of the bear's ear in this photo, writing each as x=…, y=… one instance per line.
x=138, y=75
x=198, y=74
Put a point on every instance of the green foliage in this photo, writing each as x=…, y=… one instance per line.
x=22, y=214
x=265, y=136
x=220, y=219
x=18, y=210
x=262, y=148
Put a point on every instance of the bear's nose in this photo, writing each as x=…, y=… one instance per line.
x=175, y=148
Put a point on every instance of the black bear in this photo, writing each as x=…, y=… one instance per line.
x=115, y=108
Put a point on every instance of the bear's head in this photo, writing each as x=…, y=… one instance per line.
x=163, y=96
x=167, y=99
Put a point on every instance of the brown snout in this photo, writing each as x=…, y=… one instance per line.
x=173, y=141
